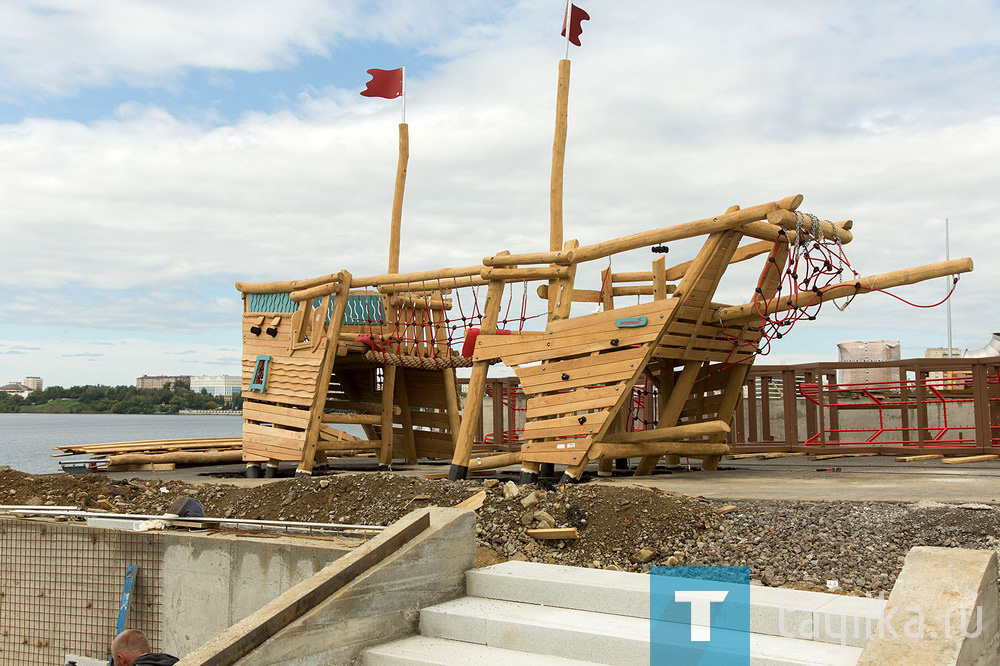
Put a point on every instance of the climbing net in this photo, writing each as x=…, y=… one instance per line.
x=814, y=265
x=433, y=321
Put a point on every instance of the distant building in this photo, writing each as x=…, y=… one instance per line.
x=34, y=383
x=159, y=381
x=16, y=388
x=225, y=386
x=854, y=351
x=942, y=352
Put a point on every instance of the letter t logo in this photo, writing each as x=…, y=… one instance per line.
x=701, y=610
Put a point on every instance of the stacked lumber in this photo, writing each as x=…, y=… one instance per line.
x=158, y=454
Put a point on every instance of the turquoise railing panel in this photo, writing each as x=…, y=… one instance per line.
x=361, y=309
x=280, y=302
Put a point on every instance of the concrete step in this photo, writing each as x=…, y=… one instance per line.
x=424, y=650
x=601, y=638
x=828, y=618
x=559, y=632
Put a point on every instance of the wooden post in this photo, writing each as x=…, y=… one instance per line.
x=388, y=402
x=397, y=197
x=921, y=395
x=791, y=411
x=477, y=384
x=406, y=417
x=558, y=162
x=672, y=410
x=451, y=397
x=752, y=435
x=831, y=380
x=323, y=379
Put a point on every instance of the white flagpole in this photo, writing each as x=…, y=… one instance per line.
x=404, y=95
x=569, y=13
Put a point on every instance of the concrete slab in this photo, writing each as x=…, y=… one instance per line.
x=943, y=609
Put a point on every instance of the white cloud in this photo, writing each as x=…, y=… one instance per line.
x=55, y=47
x=877, y=113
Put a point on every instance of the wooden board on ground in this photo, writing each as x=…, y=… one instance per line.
x=473, y=503
x=830, y=456
x=554, y=533
x=970, y=459
x=925, y=456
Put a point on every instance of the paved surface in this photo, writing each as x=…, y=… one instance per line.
x=878, y=478
x=874, y=478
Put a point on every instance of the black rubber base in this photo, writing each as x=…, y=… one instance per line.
x=299, y=473
x=527, y=477
x=457, y=472
x=567, y=479
x=253, y=471
x=547, y=470
x=384, y=468
x=270, y=472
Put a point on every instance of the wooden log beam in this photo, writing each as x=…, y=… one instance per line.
x=420, y=303
x=289, y=285
x=789, y=221
x=301, y=293
x=669, y=433
x=178, y=458
x=595, y=296
x=862, y=285
x=507, y=260
x=685, y=230
x=771, y=232
x=494, y=461
x=509, y=274
x=444, y=285
x=692, y=449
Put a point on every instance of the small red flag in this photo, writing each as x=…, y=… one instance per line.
x=576, y=17
x=387, y=83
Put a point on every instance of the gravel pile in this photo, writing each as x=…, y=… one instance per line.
x=859, y=545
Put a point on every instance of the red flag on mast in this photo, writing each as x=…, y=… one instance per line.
x=387, y=83
x=576, y=17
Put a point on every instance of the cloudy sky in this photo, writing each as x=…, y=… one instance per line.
x=153, y=153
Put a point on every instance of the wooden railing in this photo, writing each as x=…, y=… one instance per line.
x=909, y=406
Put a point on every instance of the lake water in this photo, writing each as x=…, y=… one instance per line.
x=27, y=440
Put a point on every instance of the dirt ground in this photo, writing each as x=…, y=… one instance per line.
x=859, y=545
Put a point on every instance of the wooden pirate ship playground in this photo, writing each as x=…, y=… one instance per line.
x=382, y=351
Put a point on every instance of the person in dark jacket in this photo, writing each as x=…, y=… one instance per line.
x=131, y=648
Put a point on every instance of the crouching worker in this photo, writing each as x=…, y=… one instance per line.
x=131, y=648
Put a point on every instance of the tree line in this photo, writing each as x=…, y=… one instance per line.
x=115, y=400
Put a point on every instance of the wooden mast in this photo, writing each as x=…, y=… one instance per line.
x=389, y=372
x=529, y=470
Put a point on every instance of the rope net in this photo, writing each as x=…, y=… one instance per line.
x=814, y=265
x=434, y=326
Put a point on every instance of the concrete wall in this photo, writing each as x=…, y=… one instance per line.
x=384, y=603
x=210, y=582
